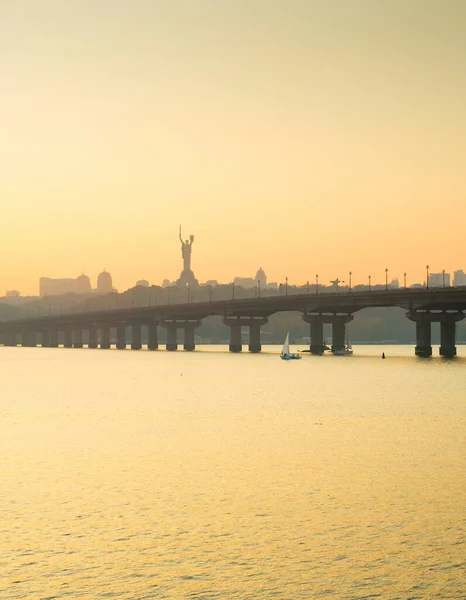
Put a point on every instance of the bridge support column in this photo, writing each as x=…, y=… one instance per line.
x=121, y=336
x=189, y=328
x=423, y=322
x=316, y=323
x=54, y=338
x=339, y=331
x=105, y=337
x=92, y=341
x=11, y=338
x=448, y=333
x=136, y=336
x=68, y=338
x=45, y=338
x=26, y=338
x=152, y=333
x=235, y=335
x=172, y=344
x=255, y=334
x=78, y=338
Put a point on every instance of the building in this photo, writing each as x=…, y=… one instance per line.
x=143, y=283
x=439, y=279
x=459, y=278
x=56, y=287
x=82, y=285
x=12, y=294
x=261, y=278
x=104, y=283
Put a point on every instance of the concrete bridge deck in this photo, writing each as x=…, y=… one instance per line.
x=423, y=305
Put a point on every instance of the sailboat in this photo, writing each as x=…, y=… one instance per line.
x=347, y=350
x=285, y=353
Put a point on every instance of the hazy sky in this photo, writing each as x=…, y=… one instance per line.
x=302, y=136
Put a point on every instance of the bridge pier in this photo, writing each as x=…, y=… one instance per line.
x=105, y=337
x=448, y=334
x=316, y=323
x=172, y=343
x=45, y=343
x=78, y=338
x=121, y=336
x=28, y=338
x=92, y=340
x=68, y=343
x=152, y=336
x=11, y=338
x=136, y=336
x=189, y=327
x=53, y=338
x=339, y=331
x=235, y=334
x=424, y=322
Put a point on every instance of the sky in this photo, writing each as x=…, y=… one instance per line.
x=300, y=136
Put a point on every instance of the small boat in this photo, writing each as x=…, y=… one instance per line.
x=347, y=350
x=285, y=353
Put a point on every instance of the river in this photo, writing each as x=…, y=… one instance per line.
x=209, y=475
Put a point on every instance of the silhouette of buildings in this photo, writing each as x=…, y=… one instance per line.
x=143, y=283
x=459, y=278
x=12, y=294
x=104, y=283
x=439, y=279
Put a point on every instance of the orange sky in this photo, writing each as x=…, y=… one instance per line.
x=301, y=136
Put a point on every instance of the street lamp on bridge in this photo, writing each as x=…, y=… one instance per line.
x=370, y=277
x=443, y=277
x=286, y=286
x=350, y=274
x=427, y=276
x=386, y=279
x=307, y=287
x=317, y=283
x=404, y=276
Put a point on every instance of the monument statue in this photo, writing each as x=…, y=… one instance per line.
x=187, y=276
x=186, y=251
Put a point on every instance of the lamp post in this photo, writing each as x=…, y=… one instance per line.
x=404, y=276
x=443, y=277
x=307, y=287
x=286, y=286
x=317, y=284
x=350, y=274
x=386, y=279
x=427, y=278
x=370, y=277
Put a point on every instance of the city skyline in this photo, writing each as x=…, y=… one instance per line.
x=310, y=137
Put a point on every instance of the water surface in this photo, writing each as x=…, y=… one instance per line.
x=208, y=475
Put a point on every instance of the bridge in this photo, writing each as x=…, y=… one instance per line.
x=423, y=306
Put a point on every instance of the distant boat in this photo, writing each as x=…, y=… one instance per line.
x=285, y=353
x=347, y=350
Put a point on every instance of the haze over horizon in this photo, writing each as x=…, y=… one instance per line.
x=303, y=137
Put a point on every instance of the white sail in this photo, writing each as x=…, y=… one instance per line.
x=286, y=345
